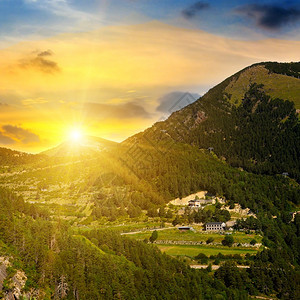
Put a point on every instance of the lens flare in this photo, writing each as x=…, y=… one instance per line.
x=75, y=135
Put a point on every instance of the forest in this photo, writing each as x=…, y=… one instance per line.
x=262, y=135
x=61, y=263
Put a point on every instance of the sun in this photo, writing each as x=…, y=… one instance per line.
x=76, y=135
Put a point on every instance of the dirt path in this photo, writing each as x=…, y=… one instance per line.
x=140, y=231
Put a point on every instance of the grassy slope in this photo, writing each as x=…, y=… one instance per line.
x=176, y=235
x=193, y=250
x=275, y=85
x=188, y=250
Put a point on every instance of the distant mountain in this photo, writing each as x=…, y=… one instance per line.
x=87, y=145
x=249, y=120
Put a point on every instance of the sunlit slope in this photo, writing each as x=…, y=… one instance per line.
x=276, y=85
x=86, y=146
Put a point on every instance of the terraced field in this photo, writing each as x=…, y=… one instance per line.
x=192, y=251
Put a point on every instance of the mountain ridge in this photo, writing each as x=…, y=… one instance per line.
x=87, y=145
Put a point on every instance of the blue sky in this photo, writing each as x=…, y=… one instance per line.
x=21, y=19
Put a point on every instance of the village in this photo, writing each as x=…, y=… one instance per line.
x=186, y=228
x=203, y=243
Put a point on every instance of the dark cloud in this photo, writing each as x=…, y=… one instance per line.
x=5, y=140
x=193, y=10
x=127, y=110
x=174, y=101
x=23, y=135
x=3, y=105
x=40, y=62
x=270, y=17
x=45, y=53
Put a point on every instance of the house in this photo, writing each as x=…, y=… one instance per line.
x=215, y=226
x=186, y=228
x=194, y=203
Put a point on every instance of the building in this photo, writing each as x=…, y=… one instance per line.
x=186, y=228
x=215, y=226
x=195, y=203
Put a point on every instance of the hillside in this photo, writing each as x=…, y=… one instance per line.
x=247, y=120
x=58, y=262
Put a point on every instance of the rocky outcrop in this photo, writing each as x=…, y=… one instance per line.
x=15, y=283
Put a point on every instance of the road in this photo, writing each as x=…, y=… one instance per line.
x=140, y=231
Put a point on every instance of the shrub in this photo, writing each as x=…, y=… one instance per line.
x=210, y=240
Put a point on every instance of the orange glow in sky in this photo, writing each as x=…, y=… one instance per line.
x=111, y=80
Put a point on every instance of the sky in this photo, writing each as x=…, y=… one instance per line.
x=113, y=68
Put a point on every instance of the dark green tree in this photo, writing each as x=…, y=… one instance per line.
x=153, y=236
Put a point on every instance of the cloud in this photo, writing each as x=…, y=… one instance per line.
x=270, y=17
x=18, y=133
x=36, y=101
x=5, y=140
x=45, y=53
x=174, y=101
x=193, y=10
x=129, y=110
x=41, y=62
x=3, y=105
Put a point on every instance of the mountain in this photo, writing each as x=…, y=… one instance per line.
x=249, y=120
x=86, y=146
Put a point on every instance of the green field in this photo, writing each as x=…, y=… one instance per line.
x=176, y=235
x=192, y=251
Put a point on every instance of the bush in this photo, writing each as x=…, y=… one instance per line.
x=228, y=241
x=202, y=258
x=210, y=240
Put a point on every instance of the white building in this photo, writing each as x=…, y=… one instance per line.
x=215, y=226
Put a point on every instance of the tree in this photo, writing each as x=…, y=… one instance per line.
x=176, y=221
x=253, y=242
x=169, y=214
x=152, y=212
x=202, y=258
x=209, y=240
x=153, y=236
x=161, y=212
x=228, y=241
x=218, y=205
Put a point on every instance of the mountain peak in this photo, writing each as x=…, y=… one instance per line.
x=85, y=146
